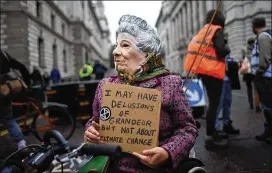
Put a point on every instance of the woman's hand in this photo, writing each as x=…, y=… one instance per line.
x=92, y=135
x=154, y=157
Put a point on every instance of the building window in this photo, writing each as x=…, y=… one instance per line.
x=41, y=56
x=55, y=56
x=38, y=9
x=63, y=29
x=53, y=21
x=65, y=63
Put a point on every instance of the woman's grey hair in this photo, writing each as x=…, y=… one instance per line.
x=146, y=37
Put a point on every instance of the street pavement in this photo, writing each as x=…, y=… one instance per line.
x=244, y=154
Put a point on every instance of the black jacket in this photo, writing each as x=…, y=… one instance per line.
x=221, y=48
x=7, y=63
x=233, y=74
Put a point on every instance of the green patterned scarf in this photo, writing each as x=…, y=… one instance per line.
x=150, y=68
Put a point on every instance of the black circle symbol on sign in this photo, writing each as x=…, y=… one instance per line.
x=105, y=113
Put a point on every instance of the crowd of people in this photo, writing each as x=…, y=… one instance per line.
x=219, y=73
x=95, y=72
x=138, y=62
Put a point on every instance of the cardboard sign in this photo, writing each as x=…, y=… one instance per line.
x=130, y=117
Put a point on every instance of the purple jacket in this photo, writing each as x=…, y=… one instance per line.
x=177, y=133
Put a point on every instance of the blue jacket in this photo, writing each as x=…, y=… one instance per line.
x=55, y=76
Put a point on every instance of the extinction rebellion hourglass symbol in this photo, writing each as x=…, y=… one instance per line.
x=105, y=113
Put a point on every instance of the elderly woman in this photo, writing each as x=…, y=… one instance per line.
x=138, y=62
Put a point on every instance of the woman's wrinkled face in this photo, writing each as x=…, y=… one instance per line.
x=127, y=56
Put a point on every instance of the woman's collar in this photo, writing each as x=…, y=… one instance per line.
x=147, y=83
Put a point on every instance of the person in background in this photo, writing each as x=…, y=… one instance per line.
x=46, y=79
x=248, y=76
x=261, y=63
x=6, y=64
x=36, y=76
x=112, y=70
x=85, y=72
x=55, y=76
x=99, y=70
x=211, y=70
x=225, y=103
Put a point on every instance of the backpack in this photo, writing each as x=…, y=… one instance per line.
x=11, y=78
x=269, y=32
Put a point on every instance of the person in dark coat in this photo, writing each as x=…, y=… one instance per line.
x=6, y=64
x=36, y=76
x=46, y=79
x=214, y=85
x=99, y=70
x=248, y=77
x=55, y=76
x=226, y=98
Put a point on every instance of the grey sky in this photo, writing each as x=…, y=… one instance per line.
x=147, y=10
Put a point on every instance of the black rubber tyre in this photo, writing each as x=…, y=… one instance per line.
x=60, y=117
x=14, y=161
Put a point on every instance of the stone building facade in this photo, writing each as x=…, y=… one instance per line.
x=179, y=21
x=62, y=34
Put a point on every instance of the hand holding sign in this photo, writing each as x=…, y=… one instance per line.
x=92, y=134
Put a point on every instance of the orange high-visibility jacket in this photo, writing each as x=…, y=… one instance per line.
x=211, y=64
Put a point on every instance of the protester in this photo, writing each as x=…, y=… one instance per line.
x=46, y=79
x=139, y=63
x=212, y=70
x=226, y=100
x=8, y=86
x=55, y=76
x=248, y=76
x=99, y=70
x=261, y=63
x=36, y=76
x=86, y=72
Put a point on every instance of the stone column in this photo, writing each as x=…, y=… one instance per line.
x=172, y=35
x=180, y=25
x=195, y=19
x=184, y=24
x=202, y=12
x=169, y=34
x=167, y=41
x=174, y=32
x=209, y=5
x=177, y=29
x=188, y=18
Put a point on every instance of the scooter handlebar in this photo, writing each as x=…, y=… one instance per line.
x=101, y=149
